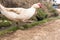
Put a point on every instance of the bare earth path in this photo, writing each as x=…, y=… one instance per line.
x=49, y=31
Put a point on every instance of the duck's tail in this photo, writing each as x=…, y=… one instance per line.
x=2, y=7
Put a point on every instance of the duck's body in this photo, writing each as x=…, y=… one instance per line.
x=19, y=14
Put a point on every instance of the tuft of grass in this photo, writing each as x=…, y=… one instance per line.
x=52, y=11
x=26, y=26
x=4, y=23
x=41, y=14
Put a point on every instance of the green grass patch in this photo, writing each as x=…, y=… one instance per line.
x=4, y=23
x=9, y=30
x=41, y=14
x=26, y=26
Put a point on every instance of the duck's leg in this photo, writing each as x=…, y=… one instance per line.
x=17, y=24
x=13, y=24
x=28, y=21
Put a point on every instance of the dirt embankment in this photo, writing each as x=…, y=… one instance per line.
x=49, y=31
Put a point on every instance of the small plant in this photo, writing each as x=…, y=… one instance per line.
x=5, y=23
x=41, y=14
x=52, y=12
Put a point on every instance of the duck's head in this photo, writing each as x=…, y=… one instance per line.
x=37, y=5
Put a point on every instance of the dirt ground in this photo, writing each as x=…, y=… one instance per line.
x=47, y=31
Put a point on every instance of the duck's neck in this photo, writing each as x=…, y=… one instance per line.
x=33, y=8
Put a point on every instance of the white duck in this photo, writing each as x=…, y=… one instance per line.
x=19, y=14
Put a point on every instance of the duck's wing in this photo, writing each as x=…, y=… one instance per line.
x=16, y=10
